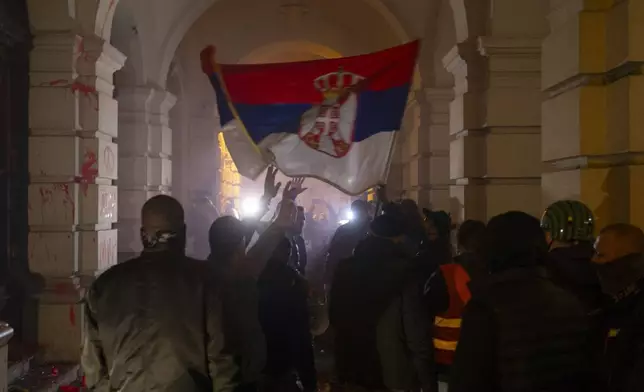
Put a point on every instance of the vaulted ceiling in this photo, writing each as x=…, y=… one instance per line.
x=150, y=31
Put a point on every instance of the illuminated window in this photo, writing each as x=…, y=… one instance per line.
x=230, y=178
x=371, y=194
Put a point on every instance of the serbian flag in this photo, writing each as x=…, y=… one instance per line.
x=334, y=120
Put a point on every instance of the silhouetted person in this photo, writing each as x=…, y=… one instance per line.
x=154, y=323
x=242, y=330
x=382, y=330
x=619, y=261
x=299, y=258
x=284, y=315
x=520, y=331
x=347, y=237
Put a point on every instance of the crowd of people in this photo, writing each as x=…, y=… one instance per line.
x=515, y=305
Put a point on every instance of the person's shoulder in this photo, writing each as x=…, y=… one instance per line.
x=117, y=270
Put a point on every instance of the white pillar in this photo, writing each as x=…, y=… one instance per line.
x=145, y=166
x=73, y=166
x=437, y=102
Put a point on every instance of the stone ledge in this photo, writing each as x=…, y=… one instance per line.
x=497, y=130
x=497, y=181
x=594, y=161
x=622, y=71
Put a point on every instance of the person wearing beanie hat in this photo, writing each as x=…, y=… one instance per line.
x=374, y=301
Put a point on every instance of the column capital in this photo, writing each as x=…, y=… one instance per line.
x=89, y=16
x=492, y=46
x=146, y=99
x=440, y=94
x=71, y=59
x=467, y=65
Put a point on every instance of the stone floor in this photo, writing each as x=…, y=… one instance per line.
x=46, y=378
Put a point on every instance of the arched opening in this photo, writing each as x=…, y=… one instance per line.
x=317, y=34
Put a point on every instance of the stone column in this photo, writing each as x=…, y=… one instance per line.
x=72, y=166
x=593, y=144
x=415, y=155
x=437, y=101
x=495, y=122
x=145, y=166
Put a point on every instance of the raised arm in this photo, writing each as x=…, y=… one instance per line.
x=260, y=253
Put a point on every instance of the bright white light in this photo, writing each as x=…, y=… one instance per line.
x=349, y=215
x=343, y=222
x=250, y=206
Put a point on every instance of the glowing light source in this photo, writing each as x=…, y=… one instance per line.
x=348, y=215
x=250, y=207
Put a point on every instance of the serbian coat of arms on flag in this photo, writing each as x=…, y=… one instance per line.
x=334, y=120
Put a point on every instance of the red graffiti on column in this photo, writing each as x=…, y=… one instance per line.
x=72, y=315
x=45, y=194
x=68, y=200
x=81, y=53
x=89, y=171
x=76, y=86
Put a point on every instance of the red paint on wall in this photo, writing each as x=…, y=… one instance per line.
x=86, y=90
x=72, y=315
x=68, y=200
x=89, y=171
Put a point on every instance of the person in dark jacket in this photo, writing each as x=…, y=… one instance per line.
x=619, y=261
x=284, y=315
x=520, y=331
x=346, y=238
x=569, y=227
x=369, y=293
x=242, y=330
x=154, y=323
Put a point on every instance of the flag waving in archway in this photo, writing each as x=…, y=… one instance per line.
x=334, y=119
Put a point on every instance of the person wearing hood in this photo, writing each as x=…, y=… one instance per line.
x=520, y=331
x=569, y=228
x=382, y=333
x=619, y=261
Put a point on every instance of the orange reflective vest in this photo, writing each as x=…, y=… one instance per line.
x=447, y=326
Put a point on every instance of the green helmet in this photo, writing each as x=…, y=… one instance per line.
x=568, y=220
